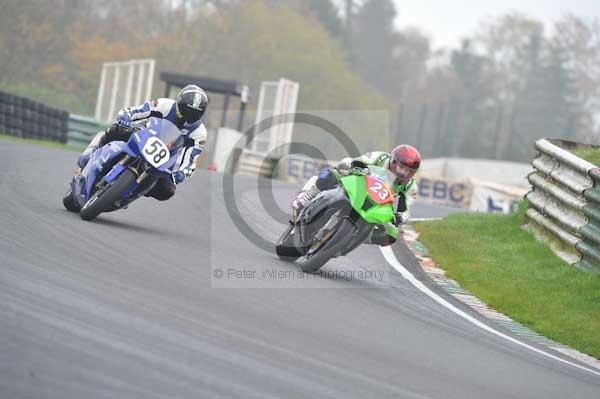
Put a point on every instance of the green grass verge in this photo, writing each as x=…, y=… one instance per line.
x=589, y=154
x=504, y=265
x=44, y=143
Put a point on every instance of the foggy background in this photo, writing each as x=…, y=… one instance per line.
x=456, y=79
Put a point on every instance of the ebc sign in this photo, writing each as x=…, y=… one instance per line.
x=444, y=192
x=303, y=168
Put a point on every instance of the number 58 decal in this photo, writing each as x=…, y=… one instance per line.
x=156, y=152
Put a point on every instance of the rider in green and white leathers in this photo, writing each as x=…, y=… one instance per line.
x=405, y=192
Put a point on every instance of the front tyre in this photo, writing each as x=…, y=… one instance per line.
x=333, y=246
x=103, y=199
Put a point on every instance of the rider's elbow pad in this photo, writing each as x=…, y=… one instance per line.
x=326, y=180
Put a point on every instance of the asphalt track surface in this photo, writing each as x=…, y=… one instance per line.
x=129, y=306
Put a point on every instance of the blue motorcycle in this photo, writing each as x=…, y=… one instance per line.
x=120, y=172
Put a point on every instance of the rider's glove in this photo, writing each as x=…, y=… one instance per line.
x=123, y=119
x=124, y=122
x=344, y=172
x=178, y=177
x=353, y=170
x=398, y=219
x=359, y=168
x=343, y=167
x=358, y=164
x=359, y=171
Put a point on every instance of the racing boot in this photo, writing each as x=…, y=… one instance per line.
x=305, y=196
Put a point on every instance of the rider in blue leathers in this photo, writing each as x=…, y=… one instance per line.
x=185, y=112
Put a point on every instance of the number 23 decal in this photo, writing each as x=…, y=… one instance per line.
x=379, y=191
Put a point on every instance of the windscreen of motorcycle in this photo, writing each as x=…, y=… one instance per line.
x=379, y=183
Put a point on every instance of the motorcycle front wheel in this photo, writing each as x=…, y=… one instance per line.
x=336, y=243
x=104, y=199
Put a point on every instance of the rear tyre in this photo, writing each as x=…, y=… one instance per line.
x=70, y=203
x=335, y=244
x=285, y=248
x=103, y=199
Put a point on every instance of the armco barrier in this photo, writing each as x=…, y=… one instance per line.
x=565, y=203
x=82, y=129
x=23, y=117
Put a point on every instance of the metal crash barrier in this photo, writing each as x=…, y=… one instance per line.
x=82, y=129
x=565, y=203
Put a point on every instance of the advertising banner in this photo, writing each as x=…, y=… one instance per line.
x=495, y=198
x=442, y=191
x=298, y=168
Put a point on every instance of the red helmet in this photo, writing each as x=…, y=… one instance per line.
x=404, y=162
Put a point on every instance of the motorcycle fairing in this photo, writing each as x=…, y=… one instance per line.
x=82, y=185
x=372, y=212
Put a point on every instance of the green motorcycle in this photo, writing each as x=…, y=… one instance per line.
x=340, y=219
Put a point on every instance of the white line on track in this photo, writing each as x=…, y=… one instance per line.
x=390, y=257
x=423, y=219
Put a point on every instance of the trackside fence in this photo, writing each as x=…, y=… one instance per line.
x=565, y=203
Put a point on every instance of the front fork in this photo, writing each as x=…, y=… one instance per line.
x=125, y=160
x=144, y=185
x=140, y=176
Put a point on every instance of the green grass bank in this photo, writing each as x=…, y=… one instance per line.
x=507, y=268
